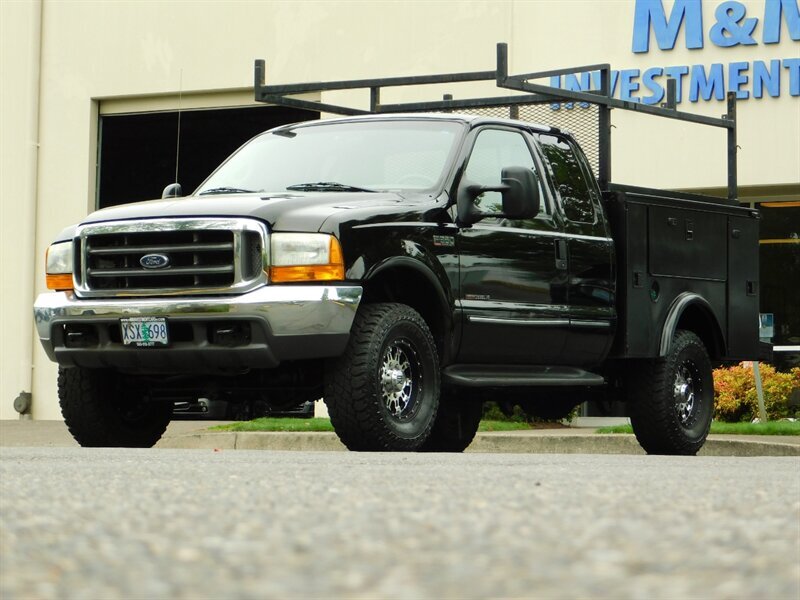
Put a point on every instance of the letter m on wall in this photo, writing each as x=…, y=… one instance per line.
x=650, y=14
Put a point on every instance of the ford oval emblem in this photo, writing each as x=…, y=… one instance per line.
x=154, y=261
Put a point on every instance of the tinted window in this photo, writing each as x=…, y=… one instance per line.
x=576, y=197
x=494, y=150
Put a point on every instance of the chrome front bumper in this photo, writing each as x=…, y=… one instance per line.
x=288, y=322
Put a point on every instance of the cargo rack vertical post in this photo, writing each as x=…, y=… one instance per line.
x=532, y=93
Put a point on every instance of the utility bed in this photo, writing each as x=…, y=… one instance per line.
x=669, y=247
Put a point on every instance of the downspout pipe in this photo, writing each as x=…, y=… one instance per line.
x=31, y=255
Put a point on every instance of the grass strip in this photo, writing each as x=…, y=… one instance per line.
x=277, y=424
x=318, y=424
x=769, y=428
x=503, y=426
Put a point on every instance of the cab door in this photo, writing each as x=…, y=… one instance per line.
x=591, y=284
x=512, y=286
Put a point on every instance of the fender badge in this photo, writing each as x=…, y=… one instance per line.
x=447, y=241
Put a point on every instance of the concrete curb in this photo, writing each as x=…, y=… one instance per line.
x=484, y=442
x=572, y=440
x=277, y=440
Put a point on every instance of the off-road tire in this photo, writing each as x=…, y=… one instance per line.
x=672, y=398
x=101, y=411
x=456, y=423
x=363, y=406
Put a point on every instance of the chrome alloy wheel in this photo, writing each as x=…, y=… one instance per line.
x=400, y=379
x=684, y=391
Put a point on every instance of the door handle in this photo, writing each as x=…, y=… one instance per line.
x=561, y=254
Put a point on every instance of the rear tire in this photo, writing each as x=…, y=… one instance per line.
x=672, y=398
x=383, y=392
x=456, y=424
x=100, y=411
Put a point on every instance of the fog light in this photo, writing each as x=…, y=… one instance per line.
x=80, y=336
x=230, y=335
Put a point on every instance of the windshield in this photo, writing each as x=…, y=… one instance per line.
x=355, y=156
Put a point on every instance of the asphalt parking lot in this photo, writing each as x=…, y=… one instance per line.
x=165, y=523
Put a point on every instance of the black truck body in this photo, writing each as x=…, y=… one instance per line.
x=465, y=259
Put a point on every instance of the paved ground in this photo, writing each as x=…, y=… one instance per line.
x=55, y=434
x=573, y=440
x=119, y=523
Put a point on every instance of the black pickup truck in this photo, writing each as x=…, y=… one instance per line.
x=404, y=267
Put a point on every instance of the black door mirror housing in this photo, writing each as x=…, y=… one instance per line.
x=520, y=197
x=521, y=200
x=173, y=190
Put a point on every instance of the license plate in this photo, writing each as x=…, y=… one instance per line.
x=144, y=331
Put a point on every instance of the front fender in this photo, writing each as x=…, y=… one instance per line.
x=421, y=267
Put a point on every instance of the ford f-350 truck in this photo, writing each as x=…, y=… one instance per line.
x=404, y=267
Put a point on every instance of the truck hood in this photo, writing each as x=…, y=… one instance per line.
x=281, y=211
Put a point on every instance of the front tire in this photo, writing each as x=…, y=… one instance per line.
x=672, y=398
x=100, y=411
x=383, y=392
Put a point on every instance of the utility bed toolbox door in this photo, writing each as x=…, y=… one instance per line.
x=687, y=243
x=743, y=288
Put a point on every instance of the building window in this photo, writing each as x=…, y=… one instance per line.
x=780, y=275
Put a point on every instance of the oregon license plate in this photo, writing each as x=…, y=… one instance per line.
x=144, y=331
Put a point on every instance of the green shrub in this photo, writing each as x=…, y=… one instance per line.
x=735, y=397
x=493, y=412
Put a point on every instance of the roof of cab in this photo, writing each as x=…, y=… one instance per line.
x=471, y=120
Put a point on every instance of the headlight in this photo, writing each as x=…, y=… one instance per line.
x=58, y=266
x=305, y=257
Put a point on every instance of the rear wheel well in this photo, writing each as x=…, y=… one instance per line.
x=704, y=325
x=410, y=287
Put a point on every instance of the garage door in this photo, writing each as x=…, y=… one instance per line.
x=138, y=152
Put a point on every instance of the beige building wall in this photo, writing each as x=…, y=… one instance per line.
x=64, y=62
x=20, y=36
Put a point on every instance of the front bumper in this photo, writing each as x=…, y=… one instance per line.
x=288, y=322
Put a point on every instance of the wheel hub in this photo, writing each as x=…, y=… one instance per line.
x=397, y=384
x=684, y=393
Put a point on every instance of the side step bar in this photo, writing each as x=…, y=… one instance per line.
x=518, y=376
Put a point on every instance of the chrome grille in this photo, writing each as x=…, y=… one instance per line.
x=196, y=259
x=190, y=256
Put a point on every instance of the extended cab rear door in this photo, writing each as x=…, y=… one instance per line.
x=513, y=295
x=588, y=250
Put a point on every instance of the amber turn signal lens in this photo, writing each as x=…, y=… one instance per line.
x=306, y=273
x=60, y=282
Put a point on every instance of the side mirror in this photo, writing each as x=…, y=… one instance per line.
x=173, y=190
x=520, y=197
x=521, y=200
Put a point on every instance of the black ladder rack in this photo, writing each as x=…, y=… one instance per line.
x=534, y=93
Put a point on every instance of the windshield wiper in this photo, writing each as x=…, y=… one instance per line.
x=326, y=186
x=227, y=190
